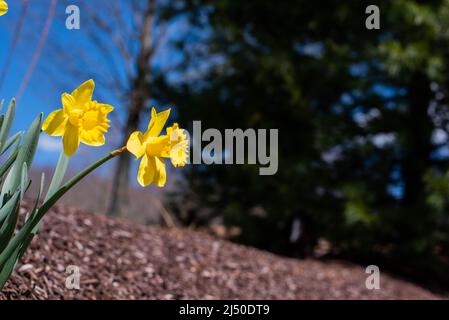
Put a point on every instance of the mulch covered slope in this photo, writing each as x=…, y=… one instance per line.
x=121, y=260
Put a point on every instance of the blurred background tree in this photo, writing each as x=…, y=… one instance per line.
x=362, y=117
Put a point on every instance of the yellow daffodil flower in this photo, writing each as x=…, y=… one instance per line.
x=80, y=119
x=153, y=148
x=3, y=7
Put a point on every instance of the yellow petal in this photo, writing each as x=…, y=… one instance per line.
x=71, y=139
x=157, y=122
x=152, y=170
x=161, y=175
x=55, y=123
x=146, y=172
x=3, y=7
x=83, y=94
x=135, y=144
x=68, y=102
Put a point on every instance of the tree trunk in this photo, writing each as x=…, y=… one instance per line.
x=139, y=98
x=418, y=145
x=120, y=183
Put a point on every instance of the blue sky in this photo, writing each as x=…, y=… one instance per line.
x=41, y=94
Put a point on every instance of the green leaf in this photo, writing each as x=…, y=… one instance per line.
x=8, y=227
x=2, y=118
x=7, y=123
x=58, y=176
x=7, y=208
x=39, y=194
x=9, y=266
x=9, y=162
x=41, y=186
x=24, y=180
x=16, y=145
x=12, y=141
x=25, y=155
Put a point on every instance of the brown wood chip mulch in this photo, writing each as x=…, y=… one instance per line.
x=121, y=260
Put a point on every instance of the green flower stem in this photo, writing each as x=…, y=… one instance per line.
x=28, y=227
x=73, y=181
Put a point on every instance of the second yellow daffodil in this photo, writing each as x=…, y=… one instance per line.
x=80, y=120
x=3, y=7
x=153, y=148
